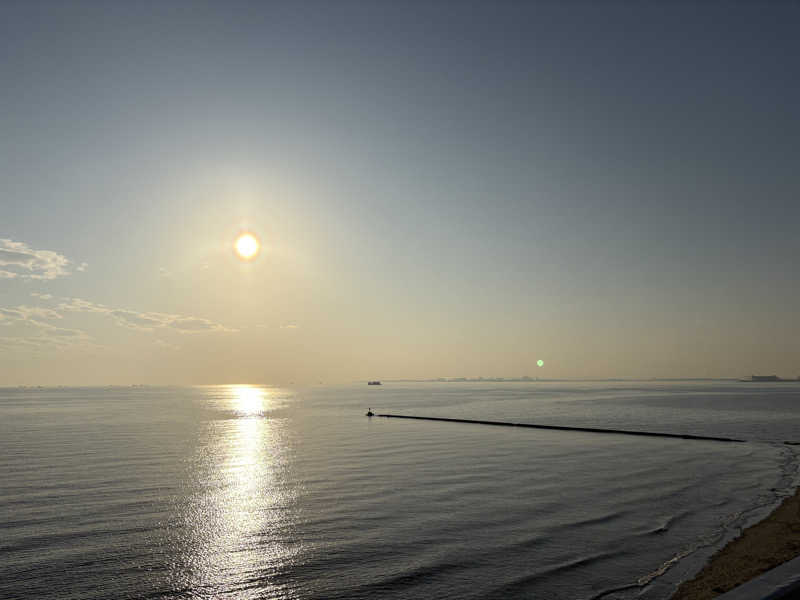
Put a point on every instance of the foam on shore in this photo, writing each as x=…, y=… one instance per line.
x=761, y=547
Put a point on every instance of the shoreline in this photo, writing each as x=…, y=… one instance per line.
x=763, y=546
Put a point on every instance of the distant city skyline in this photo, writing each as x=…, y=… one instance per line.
x=445, y=187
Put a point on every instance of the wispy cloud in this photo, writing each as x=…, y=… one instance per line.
x=23, y=313
x=167, y=345
x=145, y=321
x=60, y=340
x=289, y=326
x=40, y=334
x=23, y=262
x=30, y=328
x=60, y=332
x=14, y=344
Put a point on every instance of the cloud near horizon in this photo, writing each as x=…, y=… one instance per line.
x=167, y=345
x=40, y=334
x=145, y=321
x=24, y=313
x=23, y=262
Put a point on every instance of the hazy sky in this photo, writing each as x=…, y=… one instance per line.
x=442, y=189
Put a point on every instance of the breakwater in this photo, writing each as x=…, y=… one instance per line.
x=567, y=428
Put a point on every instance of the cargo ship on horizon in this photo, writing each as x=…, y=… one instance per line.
x=766, y=379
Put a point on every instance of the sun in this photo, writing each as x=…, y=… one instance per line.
x=247, y=246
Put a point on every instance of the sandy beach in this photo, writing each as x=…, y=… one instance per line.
x=761, y=547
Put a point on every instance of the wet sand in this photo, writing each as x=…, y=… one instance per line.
x=760, y=548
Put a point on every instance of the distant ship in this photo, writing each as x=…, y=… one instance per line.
x=765, y=378
x=373, y=383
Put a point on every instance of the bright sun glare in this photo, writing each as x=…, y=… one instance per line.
x=248, y=400
x=247, y=246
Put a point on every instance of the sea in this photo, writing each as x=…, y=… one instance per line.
x=248, y=491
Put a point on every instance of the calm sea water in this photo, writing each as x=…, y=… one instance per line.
x=255, y=492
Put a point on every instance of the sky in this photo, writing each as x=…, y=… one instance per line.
x=441, y=189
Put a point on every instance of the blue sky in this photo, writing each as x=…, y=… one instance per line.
x=441, y=188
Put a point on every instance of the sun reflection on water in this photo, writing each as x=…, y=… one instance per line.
x=248, y=400
x=239, y=513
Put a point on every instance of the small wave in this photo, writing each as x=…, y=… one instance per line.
x=733, y=522
x=517, y=585
x=598, y=520
x=67, y=539
x=666, y=524
x=414, y=576
x=554, y=529
x=646, y=579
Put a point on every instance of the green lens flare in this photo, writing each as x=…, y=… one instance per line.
x=540, y=362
